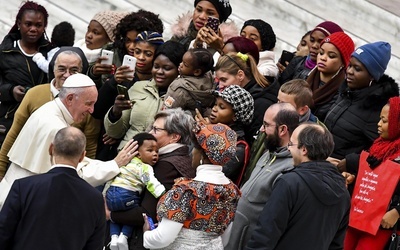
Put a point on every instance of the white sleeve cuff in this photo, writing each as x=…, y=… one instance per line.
x=97, y=172
x=163, y=235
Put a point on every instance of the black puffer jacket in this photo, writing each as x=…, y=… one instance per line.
x=15, y=69
x=295, y=70
x=263, y=98
x=354, y=116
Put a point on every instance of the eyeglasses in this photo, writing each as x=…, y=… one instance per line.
x=71, y=71
x=266, y=125
x=292, y=144
x=155, y=129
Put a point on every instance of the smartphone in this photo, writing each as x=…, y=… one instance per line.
x=151, y=223
x=122, y=90
x=286, y=56
x=131, y=62
x=213, y=23
x=109, y=54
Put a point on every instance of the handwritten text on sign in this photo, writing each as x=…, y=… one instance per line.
x=367, y=188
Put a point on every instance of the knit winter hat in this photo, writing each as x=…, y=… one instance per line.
x=108, y=20
x=375, y=57
x=171, y=49
x=217, y=140
x=267, y=35
x=241, y=101
x=245, y=46
x=223, y=8
x=151, y=37
x=394, y=117
x=343, y=43
x=327, y=28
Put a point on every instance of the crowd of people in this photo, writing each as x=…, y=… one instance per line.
x=206, y=143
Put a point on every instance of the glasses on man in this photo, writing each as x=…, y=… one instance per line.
x=71, y=71
x=291, y=144
x=266, y=125
x=155, y=129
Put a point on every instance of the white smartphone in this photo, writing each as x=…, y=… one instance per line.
x=109, y=54
x=131, y=62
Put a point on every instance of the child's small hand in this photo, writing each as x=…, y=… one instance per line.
x=199, y=118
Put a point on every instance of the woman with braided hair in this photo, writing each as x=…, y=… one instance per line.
x=383, y=156
x=18, y=72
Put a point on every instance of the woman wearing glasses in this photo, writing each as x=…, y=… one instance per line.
x=129, y=117
x=173, y=130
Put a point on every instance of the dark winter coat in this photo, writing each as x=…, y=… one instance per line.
x=308, y=209
x=353, y=118
x=15, y=70
x=295, y=70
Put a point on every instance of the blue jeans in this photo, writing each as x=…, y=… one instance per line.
x=120, y=199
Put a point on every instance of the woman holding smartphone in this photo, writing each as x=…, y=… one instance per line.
x=137, y=65
x=103, y=74
x=127, y=117
x=204, y=12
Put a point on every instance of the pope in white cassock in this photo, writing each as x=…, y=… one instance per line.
x=29, y=154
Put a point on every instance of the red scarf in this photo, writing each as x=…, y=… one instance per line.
x=382, y=150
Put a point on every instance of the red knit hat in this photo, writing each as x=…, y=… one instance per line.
x=343, y=43
x=394, y=117
x=327, y=28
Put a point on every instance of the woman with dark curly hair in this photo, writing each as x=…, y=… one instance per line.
x=126, y=32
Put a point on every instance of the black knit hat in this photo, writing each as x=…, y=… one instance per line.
x=171, y=49
x=267, y=35
x=223, y=7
